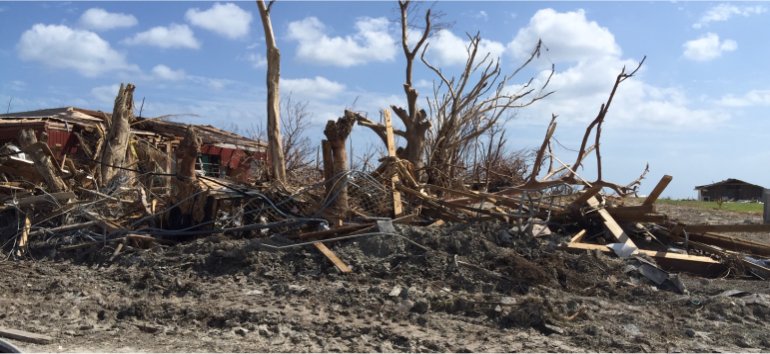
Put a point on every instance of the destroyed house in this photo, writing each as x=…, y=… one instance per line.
x=74, y=133
x=730, y=189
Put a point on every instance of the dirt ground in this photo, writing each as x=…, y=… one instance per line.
x=475, y=288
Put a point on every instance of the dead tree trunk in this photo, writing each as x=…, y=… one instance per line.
x=336, y=134
x=43, y=161
x=186, y=193
x=416, y=122
x=116, y=144
x=273, y=98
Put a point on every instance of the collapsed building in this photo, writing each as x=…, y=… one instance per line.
x=72, y=133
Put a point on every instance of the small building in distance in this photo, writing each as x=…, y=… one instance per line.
x=730, y=189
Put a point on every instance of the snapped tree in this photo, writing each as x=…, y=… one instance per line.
x=462, y=108
x=275, y=150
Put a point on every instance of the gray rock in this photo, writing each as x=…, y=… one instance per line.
x=421, y=306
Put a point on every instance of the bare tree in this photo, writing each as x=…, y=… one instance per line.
x=571, y=177
x=273, y=98
x=469, y=105
x=416, y=122
x=296, y=145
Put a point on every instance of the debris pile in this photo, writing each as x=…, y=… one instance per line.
x=174, y=203
x=75, y=181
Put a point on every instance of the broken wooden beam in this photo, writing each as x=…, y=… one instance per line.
x=585, y=195
x=65, y=228
x=702, y=228
x=728, y=243
x=610, y=224
x=333, y=232
x=391, y=142
x=651, y=253
x=53, y=198
x=344, y=268
x=25, y=336
x=658, y=190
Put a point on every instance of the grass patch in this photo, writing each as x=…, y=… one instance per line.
x=751, y=208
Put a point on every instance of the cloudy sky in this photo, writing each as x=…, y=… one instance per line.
x=696, y=110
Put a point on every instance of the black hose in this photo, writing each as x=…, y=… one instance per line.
x=6, y=347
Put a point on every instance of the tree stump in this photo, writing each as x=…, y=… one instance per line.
x=336, y=134
x=116, y=145
x=187, y=193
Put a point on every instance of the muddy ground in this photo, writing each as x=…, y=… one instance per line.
x=475, y=288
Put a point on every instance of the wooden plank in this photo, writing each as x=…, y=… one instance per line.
x=730, y=243
x=45, y=198
x=651, y=253
x=617, y=212
x=641, y=213
x=437, y=223
x=24, y=236
x=655, y=218
x=656, y=192
x=610, y=223
x=431, y=202
x=333, y=232
x=25, y=336
x=578, y=236
x=406, y=219
x=583, y=197
x=727, y=228
x=397, y=206
x=332, y=257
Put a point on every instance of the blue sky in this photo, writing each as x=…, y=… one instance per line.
x=697, y=109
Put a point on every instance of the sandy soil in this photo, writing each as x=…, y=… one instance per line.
x=475, y=288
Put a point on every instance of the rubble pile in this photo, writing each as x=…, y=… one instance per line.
x=78, y=183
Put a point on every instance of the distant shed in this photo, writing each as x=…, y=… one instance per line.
x=730, y=189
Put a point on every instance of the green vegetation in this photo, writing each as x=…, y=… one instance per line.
x=752, y=208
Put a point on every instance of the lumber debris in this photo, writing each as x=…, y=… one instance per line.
x=118, y=190
x=25, y=336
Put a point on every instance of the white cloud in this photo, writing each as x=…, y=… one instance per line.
x=447, y=49
x=423, y=84
x=318, y=87
x=165, y=73
x=173, y=36
x=751, y=98
x=61, y=47
x=105, y=94
x=567, y=36
x=593, y=59
x=228, y=20
x=213, y=83
x=256, y=60
x=724, y=12
x=708, y=47
x=371, y=42
x=481, y=15
x=101, y=20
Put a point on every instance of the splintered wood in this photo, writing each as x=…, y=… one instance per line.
x=397, y=207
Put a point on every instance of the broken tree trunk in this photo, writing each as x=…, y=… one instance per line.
x=116, y=144
x=277, y=159
x=44, y=163
x=187, y=192
x=336, y=134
